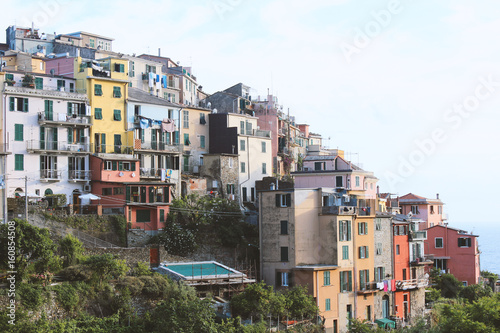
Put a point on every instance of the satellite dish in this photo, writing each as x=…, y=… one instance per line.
x=214, y=110
x=410, y=214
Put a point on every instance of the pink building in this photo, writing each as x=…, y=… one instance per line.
x=454, y=251
x=430, y=211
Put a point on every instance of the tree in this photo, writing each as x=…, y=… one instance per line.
x=31, y=245
x=105, y=267
x=72, y=249
x=254, y=302
x=299, y=304
x=474, y=292
x=449, y=285
x=492, y=278
x=177, y=240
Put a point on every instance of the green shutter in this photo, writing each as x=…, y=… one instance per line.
x=70, y=110
x=120, y=166
x=39, y=83
x=278, y=200
x=25, y=105
x=383, y=273
x=115, y=165
x=359, y=228
x=70, y=135
x=361, y=279
x=132, y=166
x=348, y=230
x=127, y=193
x=42, y=137
x=12, y=103
x=151, y=194
x=376, y=274
x=350, y=280
x=202, y=141
x=54, y=138
x=359, y=252
x=18, y=132
x=122, y=68
x=341, y=229
x=162, y=215
x=103, y=142
x=98, y=113
x=342, y=281
x=366, y=251
x=19, y=162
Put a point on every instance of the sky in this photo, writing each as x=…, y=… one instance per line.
x=408, y=89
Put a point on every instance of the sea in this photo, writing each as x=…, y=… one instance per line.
x=489, y=239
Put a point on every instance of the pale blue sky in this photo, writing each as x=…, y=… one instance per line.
x=419, y=62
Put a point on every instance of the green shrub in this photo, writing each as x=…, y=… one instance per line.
x=68, y=296
x=76, y=273
x=132, y=283
x=141, y=269
x=32, y=296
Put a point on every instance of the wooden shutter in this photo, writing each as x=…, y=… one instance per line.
x=278, y=200
x=348, y=230
x=350, y=280
x=127, y=193
x=288, y=200
x=25, y=105
x=70, y=135
x=12, y=103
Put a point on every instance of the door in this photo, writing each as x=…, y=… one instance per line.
x=385, y=306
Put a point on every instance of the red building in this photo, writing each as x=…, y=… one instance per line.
x=401, y=274
x=115, y=179
x=454, y=251
x=430, y=211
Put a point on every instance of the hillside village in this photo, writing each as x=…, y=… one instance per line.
x=91, y=131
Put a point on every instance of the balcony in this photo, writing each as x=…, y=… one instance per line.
x=368, y=288
x=50, y=175
x=411, y=284
x=75, y=176
x=420, y=261
x=339, y=210
x=57, y=147
x=418, y=235
x=364, y=211
x=150, y=173
x=111, y=149
x=156, y=147
x=62, y=119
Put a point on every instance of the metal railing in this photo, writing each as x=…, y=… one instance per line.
x=150, y=172
x=162, y=146
x=418, y=235
x=50, y=174
x=83, y=175
x=44, y=117
x=411, y=284
x=339, y=210
x=57, y=146
x=90, y=240
x=112, y=149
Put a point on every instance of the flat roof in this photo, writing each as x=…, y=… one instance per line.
x=198, y=270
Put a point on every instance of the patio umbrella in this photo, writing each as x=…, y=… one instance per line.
x=89, y=196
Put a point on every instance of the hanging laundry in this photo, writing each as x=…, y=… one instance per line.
x=144, y=123
x=151, y=80
x=393, y=285
x=386, y=285
x=164, y=81
x=158, y=85
x=167, y=125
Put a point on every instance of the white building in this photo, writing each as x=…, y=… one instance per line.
x=46, y=130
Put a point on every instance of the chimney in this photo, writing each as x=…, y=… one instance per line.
x=437, y=196
x=378, y=190
x=159, y=52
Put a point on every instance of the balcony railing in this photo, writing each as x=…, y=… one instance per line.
x=79, y=175
x=150, y=173
x=111, y=149
x=158, y=146
x=411, y=284
x=50, y=174
x=57, y=147
x=364, y=211
x=418, y=235
x=339, y=210
x=63, y=119
x=367, y=287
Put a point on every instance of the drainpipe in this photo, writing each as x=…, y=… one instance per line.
x=354, y=275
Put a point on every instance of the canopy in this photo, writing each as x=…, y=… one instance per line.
x=385, y=323
x=30, y=195
x=89, y=196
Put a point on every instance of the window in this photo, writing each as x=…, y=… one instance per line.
x=379, y=274
x=230, y=163
x=107, y=191
x=186, y=139
x=364, y=279
x=440, y=209
x=19, y=162
x=284, y=253
x=326, y=278
x=60, y=85
x=362, y=228
x=345, y=252
x=18, y=104
x=98, y=113
x=338, y=181
x=242, y=145
x=39, y=83
x=185, y=122
x=397, y=249
x=230, y=188
x=117, y=190
x=369, y=312
x=117, y=92
x=202, y=141
x=186, y=164
x=150, y=69
x=264, y=170
x=464, y=283
x=242, y=127
x=242, y=167
x=464, y=242
x=71, y=87
x=120, y=68
x=284, y=277
x=438, y=242
x=92, y=42
x=117, y=115
x=283, y=200
x=97, y=90
x=357, y=181
x=252, y=193
x=344, y=230
x=327, y=304
x=378, y=224
x=414, y=210
x=9, y=77
x=202, y=119
x=378, y=249
x=264, y=148
x=19, y=132
x=345, y=281
x=432, y=209
x=363, y=252
x=244, y=194
x=143, y=215
x=283, y=227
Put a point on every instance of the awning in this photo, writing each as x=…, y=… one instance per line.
x=385, y=323
x=89, y=196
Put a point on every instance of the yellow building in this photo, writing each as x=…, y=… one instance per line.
x=25, y=62
x=106, y=83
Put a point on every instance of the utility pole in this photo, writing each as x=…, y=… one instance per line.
x=26, y=198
